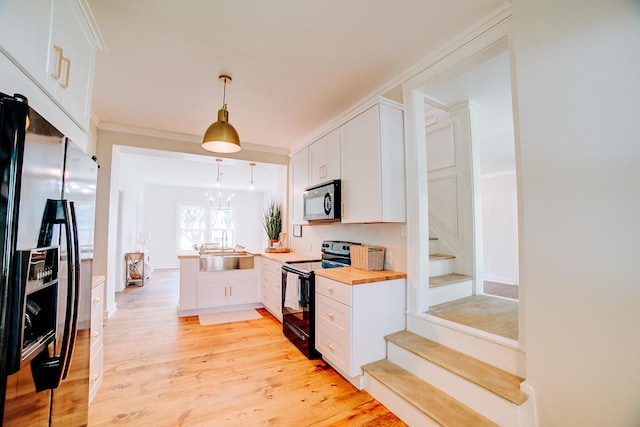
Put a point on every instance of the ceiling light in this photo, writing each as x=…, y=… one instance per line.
x=218, y=178
x=221, y=137
x=251, y=186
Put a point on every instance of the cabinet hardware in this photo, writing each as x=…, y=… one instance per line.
x=225, y=291
x=94, y=335
x=330, y=288
x=230, y=290
x=331, y=347
x=66, y=81
x=95, y=378
x=57, y=74
x=95, y=299
x=331, y=315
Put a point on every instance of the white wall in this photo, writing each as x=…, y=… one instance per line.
x=388, y=235
x=500, y=227
x=577, y=67
x=161, y=216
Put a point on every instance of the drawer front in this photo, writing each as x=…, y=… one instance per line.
x=333, y=315
x=97, y=305
x=334, y=349
x=271, y=266
x=272, y=301
x=334, y=290
x=95, y=371
x=271, y=280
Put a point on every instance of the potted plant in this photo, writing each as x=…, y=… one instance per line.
x=272, y=221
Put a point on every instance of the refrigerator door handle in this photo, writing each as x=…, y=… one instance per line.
x=47, y=370
x=74, y=282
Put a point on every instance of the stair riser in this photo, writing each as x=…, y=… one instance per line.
x=396, y=404
x=507, y=357
x=450, y=292
x=439, y=267
x=477, y=398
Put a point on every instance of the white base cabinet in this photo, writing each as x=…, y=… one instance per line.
x=97, y=345
x=223, y=288
x=272, y=287
x=210, y=291
x=352, y=320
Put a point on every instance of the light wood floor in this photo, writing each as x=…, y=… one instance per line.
x=495, y=315
x=161, y=370
x=501, y=289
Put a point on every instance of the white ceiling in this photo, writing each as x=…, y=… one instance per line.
x=295, y=64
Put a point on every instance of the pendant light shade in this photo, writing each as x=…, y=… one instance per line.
x=221, y=137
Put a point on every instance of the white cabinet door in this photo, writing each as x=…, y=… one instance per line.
x=372, y=171
x=361, y=198
x=25, y=35
x=324, y=159
x=299, y=181
x=212, y=292
x=72, y=54
x=243, y=291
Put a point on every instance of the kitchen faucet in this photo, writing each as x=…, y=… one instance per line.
x=224, y=239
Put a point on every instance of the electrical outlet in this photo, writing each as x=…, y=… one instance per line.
x=310, y=247
x=388, y=258
x=403, y=231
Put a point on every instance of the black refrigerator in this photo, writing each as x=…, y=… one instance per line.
x=47, y=210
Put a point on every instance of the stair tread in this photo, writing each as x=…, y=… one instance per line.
x=433, y=257
x=447, y=279
x=489, y=377
x=433, y=402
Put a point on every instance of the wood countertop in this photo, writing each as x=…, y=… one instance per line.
x=275, y=256
x=291, y=257
x=355, y=276
x=96, y=281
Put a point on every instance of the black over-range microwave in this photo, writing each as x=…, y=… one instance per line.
x=322, y=202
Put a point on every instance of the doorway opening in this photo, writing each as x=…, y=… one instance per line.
x=472, y=195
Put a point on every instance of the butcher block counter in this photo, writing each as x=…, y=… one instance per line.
x=290, y=257
x=355, y=276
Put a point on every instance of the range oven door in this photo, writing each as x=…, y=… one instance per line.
x=298, y=312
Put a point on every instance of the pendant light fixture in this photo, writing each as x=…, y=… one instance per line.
x=221, y=137
x=251, y=186
x=218, y=178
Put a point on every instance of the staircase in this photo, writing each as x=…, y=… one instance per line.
x=444, y=284
x=428, y=384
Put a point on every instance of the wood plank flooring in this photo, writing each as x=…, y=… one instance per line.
x=495, y=315
x=162, y=370
x=501, y=289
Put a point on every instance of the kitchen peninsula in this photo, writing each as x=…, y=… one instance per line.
x=254, y=282
x=217, y=282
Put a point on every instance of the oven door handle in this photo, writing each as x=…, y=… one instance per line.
x=295, y=331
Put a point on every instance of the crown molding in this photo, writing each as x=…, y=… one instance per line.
x=489, y=21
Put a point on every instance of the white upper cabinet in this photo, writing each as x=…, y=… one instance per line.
x=25, y=32
x=372, y=171
x=324, y=159
x=299, y=181
x=72, y=58
x=53, y=43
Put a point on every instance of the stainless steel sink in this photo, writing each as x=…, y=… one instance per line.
x=228, y=260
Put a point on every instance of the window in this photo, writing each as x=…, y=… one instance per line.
x=200, y=224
